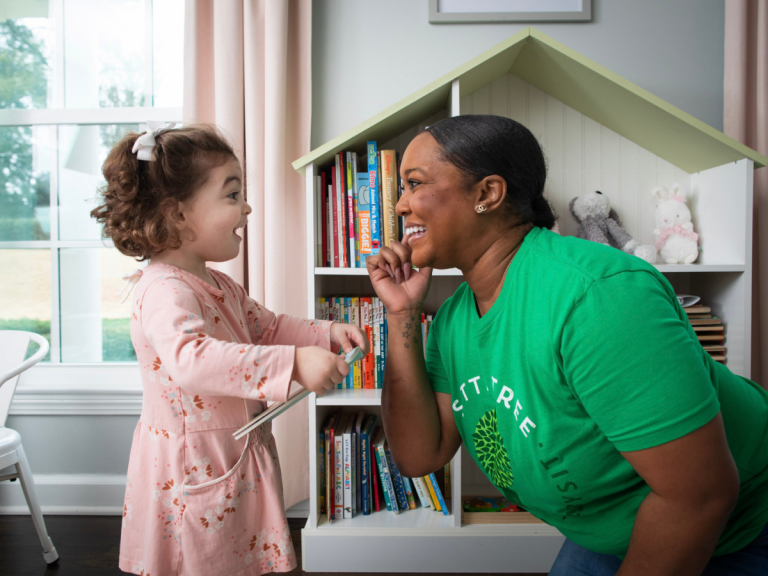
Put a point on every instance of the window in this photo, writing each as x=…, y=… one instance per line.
x=77, y=75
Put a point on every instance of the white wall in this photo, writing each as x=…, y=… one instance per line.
x=368, y=54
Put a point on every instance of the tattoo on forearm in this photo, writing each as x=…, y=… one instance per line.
x=407, y=333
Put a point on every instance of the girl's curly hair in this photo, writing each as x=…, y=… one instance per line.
x=140, y=198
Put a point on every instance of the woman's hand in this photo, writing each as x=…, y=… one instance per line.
x=318, y=370
x=348, y=336
x=400, y=287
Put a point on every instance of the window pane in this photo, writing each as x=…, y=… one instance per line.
x=105, y=53
x=25, y=205
x=95, y=326
x=26, y=43
x=25, y=291
x=108, y=58
x=168, y=56
x=82, y=151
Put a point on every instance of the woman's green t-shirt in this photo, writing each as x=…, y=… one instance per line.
x=587, y=353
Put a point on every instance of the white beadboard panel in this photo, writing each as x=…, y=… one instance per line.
x=581, y=155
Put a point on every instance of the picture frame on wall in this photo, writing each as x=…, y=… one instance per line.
x=491, y=11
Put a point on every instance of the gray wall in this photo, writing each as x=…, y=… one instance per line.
x=367, y=55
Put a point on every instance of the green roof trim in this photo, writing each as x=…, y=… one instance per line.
x=575, y=80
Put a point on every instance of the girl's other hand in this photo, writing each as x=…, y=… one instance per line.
x=318, y=370
x=348, y=336
x=400, y=287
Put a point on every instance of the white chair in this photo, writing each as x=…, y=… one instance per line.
x=13, y=349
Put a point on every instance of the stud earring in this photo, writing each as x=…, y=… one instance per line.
x=480, y=208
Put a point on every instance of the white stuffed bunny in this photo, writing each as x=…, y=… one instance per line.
x=676, y=241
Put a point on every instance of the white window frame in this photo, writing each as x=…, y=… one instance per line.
x=73, y=388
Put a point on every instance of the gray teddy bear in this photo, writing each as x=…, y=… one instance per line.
x=598, y=222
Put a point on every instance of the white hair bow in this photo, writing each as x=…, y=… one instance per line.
x=146, y=142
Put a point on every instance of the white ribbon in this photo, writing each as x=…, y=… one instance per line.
x=130, y=281
x=146, y=142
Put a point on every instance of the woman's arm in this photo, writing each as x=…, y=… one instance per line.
x=418, y=423
x=694, y=486
x=409, y=407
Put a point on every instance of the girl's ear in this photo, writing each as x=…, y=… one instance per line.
x=493, y=191
x=659, y=195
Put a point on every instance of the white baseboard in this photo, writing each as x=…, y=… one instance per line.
x=84, y=495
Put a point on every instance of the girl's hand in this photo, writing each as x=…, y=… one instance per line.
x=400, y=287
x=318, y=370
x=348, y=336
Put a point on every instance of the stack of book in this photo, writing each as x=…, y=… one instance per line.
x=709, y=330
x=367, y=313
x=355, y=203
x=358, y=475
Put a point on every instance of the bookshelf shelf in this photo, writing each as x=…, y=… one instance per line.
x=693, y=268
x=349, y=398
x=599, y=132
x=384, y=520
x=364, y=272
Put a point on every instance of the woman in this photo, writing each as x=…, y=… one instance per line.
x=567, y=368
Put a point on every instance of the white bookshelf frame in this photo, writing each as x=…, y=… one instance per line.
x=425, y=541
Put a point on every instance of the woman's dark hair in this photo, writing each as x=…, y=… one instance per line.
x=140, y=198
x=481, y=146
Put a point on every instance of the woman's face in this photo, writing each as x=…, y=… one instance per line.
x=439, y=211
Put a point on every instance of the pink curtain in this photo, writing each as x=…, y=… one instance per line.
x=744, y=119
x=247, y=69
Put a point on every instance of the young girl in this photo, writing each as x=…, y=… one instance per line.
x=197, y=500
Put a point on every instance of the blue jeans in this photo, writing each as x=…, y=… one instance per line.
x=573, y=560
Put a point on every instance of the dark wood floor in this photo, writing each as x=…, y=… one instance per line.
x=87, y=546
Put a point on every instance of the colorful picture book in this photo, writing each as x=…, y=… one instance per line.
x=357, y=474
x=368, y=313
x=355, y=207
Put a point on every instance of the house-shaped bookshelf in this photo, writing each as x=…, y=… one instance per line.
x=599, y=132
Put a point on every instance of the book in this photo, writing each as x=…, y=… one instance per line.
x=389, y=222
x=359, y=461
x=408, y=492
x=321, y=467
x=397, y=480
x=330, y=463
x=330, y=220
x=374, y=482
x=418, y=484
x=343, y=241
x=373, y=184
x=318, y=222
x=324, y=220
x=697, y=309
x=356, y=212
x=384, y=472
x=366, y=481
x=438, y=493
x=350, y=464
x=364, y=216
x=336, y=216
x=338, y=447
x=350, y=187
x=432, y=494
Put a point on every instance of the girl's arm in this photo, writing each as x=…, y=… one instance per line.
x=267, y=328
x=418, y=422
x=173, y=320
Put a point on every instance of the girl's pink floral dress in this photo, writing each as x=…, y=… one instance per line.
x=197, y=500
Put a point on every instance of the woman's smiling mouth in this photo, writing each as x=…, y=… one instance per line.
x=415, y=232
